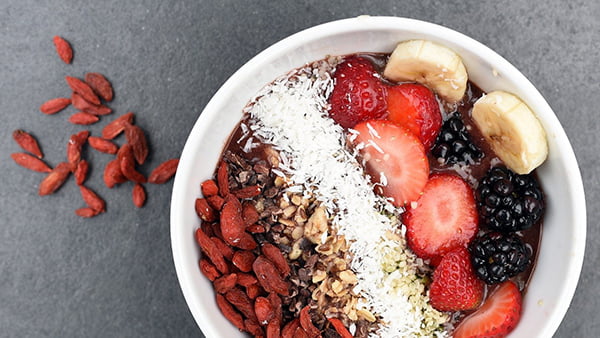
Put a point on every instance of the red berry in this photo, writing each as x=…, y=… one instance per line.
x=395, y=158
x=455, y=286
x=358, y=94
x=415, y=107
x=444, y=218
x=498, y=315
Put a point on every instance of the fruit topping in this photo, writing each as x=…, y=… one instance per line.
x=433, y=65
x=498, y=315
x=496, y=257
x=358, y=94
x=395, y=160
x=454, y=144
x=415, y=107
x=512, y=130
x=455, y=286
x=445, y=217
x=509, y=202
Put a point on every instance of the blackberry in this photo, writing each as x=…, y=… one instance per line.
x=454, y=145
x=496, y=257
x=508, y=201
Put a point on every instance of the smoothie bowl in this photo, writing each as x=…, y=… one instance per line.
x=378, y=176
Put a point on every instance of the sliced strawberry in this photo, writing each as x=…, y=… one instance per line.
x=395, y=158
x=358, y=95
x=455, y=286
x=415, y=107
x=498, y=315
x=444, y=218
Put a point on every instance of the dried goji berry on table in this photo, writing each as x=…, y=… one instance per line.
x=81, y=171
x=136, y=137
x=27, y=142
x=63, y=49
x=53, y=106
x=96, y=109
x=86, y=212
x=164, y=171
x=117, y=126
x=83, y=89
x=138, y=195
x=92, y=199
x=103, y=145
x=55, y=179
x=30, y=162
x=76, y=142
x=83, y=118
x=100, y=85
x=127, y=163
x=113, y=174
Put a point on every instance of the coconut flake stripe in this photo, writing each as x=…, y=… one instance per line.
x=291, y=114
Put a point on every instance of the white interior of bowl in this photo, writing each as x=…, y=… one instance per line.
x=561, y=253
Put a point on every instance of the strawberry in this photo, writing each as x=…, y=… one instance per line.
x=498, y=315
x=444, y=218
x=395, y=158
x=455, y=286
x=415, y=107
x=358, y=95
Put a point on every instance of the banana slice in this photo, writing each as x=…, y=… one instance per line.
x=430, y=64
x=512, y=129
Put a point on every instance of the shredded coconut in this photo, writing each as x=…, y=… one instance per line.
x=291, y=114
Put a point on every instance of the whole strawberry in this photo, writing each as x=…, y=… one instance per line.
x=358, y=95
x=455, y=286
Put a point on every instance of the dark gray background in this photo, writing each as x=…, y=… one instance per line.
x=113, y=276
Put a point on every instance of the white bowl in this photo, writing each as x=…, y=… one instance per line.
x=561, y=253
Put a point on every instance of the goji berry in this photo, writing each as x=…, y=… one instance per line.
x=243, y=260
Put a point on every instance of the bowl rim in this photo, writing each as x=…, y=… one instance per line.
x=366, y=23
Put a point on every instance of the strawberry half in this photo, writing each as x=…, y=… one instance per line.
x=445, y=218
x=455, y=286
x=415, y=107
x=358, y=94
x=498, y=315
x=395, y=158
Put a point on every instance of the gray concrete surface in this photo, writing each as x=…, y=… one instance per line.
x=113, y=276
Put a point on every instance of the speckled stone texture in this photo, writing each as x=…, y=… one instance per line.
x=113, y=276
